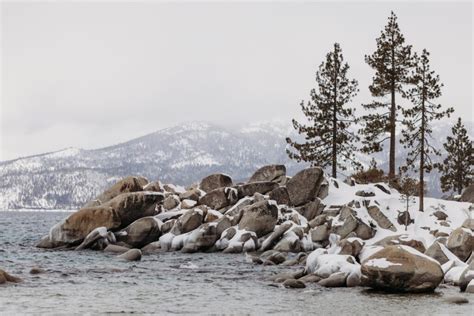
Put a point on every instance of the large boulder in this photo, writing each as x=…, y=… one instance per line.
x=141, y=232
x=379, y=217
x=280, y=195
x=401, y=269
x=215, y=181
x=461, y=243
x=249, y=189
x=260, y=217
x=201, y=238
x=189, y=221
x=219, y=198
x=468, y=194
x=440, y=253
x=126, y=185
x=273, y=173
x=115, y=214
x=304, y=186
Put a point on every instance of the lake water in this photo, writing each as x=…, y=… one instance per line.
x=89, y=282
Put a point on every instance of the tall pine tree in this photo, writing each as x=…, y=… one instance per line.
x=457, y=171
x=416, y=135
x=392, y=62
x=327, y=137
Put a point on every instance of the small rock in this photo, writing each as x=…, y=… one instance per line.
x=37, y=270
x=131, y=255
x=116, y=249
x=294, y=284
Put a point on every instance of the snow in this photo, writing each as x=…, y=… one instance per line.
x=326, y=264
x=382, y=263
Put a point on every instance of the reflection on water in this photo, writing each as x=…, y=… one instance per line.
x=91, y=282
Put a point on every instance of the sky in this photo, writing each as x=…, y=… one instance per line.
x=94, y=74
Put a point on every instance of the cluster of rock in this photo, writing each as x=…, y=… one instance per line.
x=276, y=218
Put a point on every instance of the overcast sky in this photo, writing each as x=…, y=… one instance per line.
x=95, y=74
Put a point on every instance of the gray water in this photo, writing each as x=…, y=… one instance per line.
x=89, y=282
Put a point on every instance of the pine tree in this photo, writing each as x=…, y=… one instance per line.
x=426, y=87
x=327, y=137
x=457, y=171
x=392, y=62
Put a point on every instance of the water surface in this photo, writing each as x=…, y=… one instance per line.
x=89, y=282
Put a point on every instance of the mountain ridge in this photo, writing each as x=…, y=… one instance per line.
x=181, y=154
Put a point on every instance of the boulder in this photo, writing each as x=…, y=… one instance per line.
x=93, y=237
x=280, y=195
x=126, y=185
x=115, y=214
x=141, y=232
x=219, y=198
x=192, y=194
x=364, y=231
x=320, y=233
x=201, y=238
x=46, y=243
x=170, y=202
x=260, y=217
x=275, y=236
x=401, y=269
x=311, y=209
x=467, y=276
x=249, y=189
x=215, y=181
x=154, y=186
x=348, y=225
x=439, y=252
x=5, y=277
x=337, y=279
x=350, y=246
x=304, y=186
x=461, y=243
x=189, y=221
x=402, y=239
x=323, y=191
x=131, y=255
x=468, y=194
x=116, y=249
x=290, y=242
x=269, y=173
x=379, y=217
x=294, y=284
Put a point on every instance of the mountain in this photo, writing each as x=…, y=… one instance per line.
x=182, y=154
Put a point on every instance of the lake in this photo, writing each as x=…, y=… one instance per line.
x=90, y=282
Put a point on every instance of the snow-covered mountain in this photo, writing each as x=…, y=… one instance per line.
x=182, y=154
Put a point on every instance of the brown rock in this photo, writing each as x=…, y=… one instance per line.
x=269, y=173
x=461, y=243
x=304, y=186
x=126, y=185
x=260, y=217
x=401, y=269
x=215, y=181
